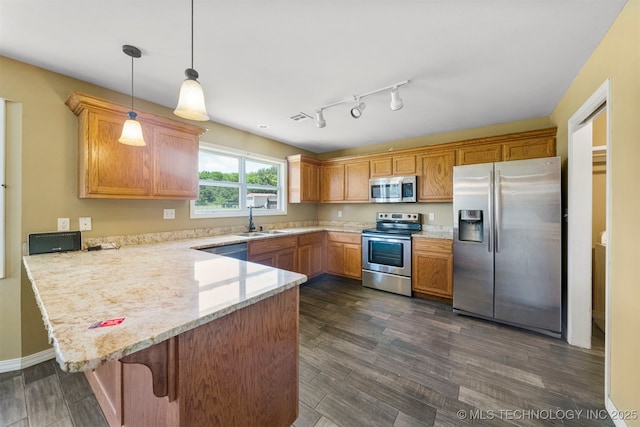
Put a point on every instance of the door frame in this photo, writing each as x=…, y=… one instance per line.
x=579, y=294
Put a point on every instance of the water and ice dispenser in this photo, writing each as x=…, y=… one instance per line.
x=471, y=226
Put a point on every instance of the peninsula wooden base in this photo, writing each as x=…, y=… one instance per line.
x=240, y=369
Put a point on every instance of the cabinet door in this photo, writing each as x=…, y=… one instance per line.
x=311, y=254
x=436, y=177
x=479, y=154
x=114, y=168
x=352, y=260
x=310, y=182
x=357, y=181
x=175, y=171
x=529, y=149
x=335, y=258
x=286, y=259
x=332, y=182
x=404, y=165
x=433, y=267
x=382, y=166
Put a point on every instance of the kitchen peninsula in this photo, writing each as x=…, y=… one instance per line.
x=168, y=335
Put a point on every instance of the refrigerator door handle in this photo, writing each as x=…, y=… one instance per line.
x=490, y=212
x=497, y=190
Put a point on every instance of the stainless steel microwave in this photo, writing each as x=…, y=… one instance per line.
x=393, y=189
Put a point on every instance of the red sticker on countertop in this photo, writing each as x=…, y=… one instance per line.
x=104, y=323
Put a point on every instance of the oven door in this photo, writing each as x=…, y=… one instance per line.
x=387, y=254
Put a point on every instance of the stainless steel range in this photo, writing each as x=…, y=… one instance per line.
x=386, y=252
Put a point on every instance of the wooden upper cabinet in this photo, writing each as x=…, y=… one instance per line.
x=356, y=181
x=332, y=182
x=529, y=148
x=166, y=168
x=304, y=179
x=381, y=166
x=175, y=172
x=435, y=181
x=483, y=153
x=402, y=165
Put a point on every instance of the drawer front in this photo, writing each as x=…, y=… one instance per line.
x=311, y=238
x=432, y=245
x=337, y=236
x=271, y=245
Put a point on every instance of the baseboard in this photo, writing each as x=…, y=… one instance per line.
x=611, y=409
x=27, y=361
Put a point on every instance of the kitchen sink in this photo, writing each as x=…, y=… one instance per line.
x=260, y=233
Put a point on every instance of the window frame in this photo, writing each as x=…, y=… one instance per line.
x=242, y=185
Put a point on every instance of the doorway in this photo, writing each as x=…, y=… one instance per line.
x=580, y=240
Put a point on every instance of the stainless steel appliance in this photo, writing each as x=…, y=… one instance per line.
x=386, y=252
x=393, y=189
x=234, y=250
x=507, y=243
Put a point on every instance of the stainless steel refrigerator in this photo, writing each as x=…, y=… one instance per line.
x=507, y=243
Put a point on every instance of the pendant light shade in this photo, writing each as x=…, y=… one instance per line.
x=191, y=99
x=132, y=131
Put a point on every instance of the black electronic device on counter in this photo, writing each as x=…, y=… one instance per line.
x=58, y=241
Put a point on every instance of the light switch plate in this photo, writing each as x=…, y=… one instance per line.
x=85, y=223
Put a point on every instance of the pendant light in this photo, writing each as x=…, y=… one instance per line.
x=191, y=99
x=132, y=131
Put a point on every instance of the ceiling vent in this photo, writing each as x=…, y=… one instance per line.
x=300, y=117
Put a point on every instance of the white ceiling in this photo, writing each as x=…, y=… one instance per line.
x=470, y=63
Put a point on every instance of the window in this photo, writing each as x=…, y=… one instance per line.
x=232, y=182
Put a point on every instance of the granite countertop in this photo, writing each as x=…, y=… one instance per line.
x=161, y=290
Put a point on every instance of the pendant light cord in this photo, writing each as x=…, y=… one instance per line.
x=132, y=83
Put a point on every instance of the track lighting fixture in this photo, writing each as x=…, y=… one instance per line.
x=356, y=112
x=191, y=99
x=320, y=119
x=396, y=101
x=132, y=131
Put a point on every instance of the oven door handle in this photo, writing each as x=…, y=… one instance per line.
x=386, y=239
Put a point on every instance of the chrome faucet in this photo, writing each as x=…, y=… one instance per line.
x=252, y=226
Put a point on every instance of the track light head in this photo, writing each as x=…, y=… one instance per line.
x=320, y=122
x=396, y=101
x=356, y=111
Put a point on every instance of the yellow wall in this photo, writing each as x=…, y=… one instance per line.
x=45, y=138
x=618, y=58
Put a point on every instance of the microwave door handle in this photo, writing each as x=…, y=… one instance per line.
x=490, y=211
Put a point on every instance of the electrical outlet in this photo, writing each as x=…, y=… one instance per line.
x=432, y=216
x=339, y=214
x=85, y=223
x=169, y=214
x=63, y=224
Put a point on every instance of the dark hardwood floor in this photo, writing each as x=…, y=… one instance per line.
x=370, y=358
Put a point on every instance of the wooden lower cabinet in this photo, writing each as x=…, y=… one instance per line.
x=311, y=254
x=344, y=254
x=432, y=267
x=238, y=370
x=278, y=252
